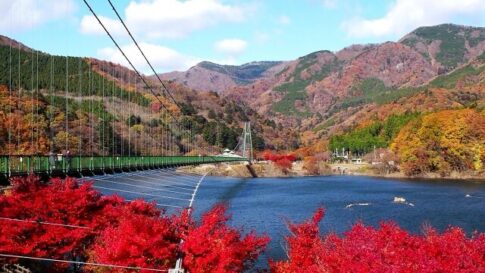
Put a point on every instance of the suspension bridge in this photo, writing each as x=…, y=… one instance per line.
x=82, y=136
x=73, y=128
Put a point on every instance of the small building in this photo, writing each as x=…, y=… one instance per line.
x=357, y=160
x=229, y=153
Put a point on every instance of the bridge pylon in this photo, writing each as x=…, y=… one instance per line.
x=247, y=142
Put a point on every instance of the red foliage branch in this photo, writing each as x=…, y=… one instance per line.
x=217, y=248
x=117, y=232
x=283, y=161
x=384, y=249
x=271, y=156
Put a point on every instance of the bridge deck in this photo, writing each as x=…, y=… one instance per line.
x=19, y=165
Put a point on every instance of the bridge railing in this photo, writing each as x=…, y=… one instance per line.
x=18, y=165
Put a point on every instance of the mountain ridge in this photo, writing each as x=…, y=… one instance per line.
x=221, y=77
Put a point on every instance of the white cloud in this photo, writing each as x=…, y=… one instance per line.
x=21, y=15
x=231, y=47
x=175, y=18
x=405, y=15
x=284, y=20
x=89, y=25
x=163, y=59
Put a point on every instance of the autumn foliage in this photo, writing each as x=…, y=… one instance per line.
x=384, y=249
x=451, y=140
x=216, y=248
x=109, y=230
x=283, y=161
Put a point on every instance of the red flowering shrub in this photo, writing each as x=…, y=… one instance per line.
x=384, y=249
x=217, y=248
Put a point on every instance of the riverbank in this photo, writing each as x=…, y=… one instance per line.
x=379, y=171
x=262, y=169
x=269, y=169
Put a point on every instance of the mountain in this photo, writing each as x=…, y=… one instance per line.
x=295, y=103
x=50, y=102
x=446, y=46
x=325, y=92
x=210, y=76
x=323, y=84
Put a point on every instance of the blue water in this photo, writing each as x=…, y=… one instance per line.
x=264, y=204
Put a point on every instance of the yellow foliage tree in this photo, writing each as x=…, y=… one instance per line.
x=450, y=140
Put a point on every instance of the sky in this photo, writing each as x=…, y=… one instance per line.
x=177, y=34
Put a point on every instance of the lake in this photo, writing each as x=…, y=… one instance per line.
x=263, y=204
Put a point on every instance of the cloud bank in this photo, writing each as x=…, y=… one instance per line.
x=405, y=15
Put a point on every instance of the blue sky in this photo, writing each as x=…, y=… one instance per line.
x=177, y=34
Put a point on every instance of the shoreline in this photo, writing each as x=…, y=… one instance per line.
x=269, y=170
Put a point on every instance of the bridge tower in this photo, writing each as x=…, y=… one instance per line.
x=247, y=142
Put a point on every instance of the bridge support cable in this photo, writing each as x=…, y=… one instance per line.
x=172, y=124
x=167, y=171
x=180, y=180
x=42, y=223
x=161, y=183
x=189, y=183
x=167, y=91
x=126, y=57
x=179, y=263
x=142, y=187
x=80, y=263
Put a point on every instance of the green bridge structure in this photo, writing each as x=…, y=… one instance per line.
x=89, y=102
x=69, y=116
x=89, y=165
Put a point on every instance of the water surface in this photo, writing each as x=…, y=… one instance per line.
x=263, y=204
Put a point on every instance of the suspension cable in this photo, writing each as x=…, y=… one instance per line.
x=10, y=98
x=80, y=263
x=66, y=101
x=42, y=223
x=143, y=54
x=79, y=149
x=32, y=90
x=123, y=53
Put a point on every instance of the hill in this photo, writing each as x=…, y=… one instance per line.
x=89, y=106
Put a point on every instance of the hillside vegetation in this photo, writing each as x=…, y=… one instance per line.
x=450, y=140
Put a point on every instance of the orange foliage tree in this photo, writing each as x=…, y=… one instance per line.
x=451, y=140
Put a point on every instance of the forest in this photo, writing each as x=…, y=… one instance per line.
x=378, y=134
x=442, y=142
x=73, y=75
x=436, y=142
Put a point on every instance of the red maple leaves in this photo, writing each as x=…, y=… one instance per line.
x=283, y=161
x=108, y=230
x=217, y=248
x=384, y=249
